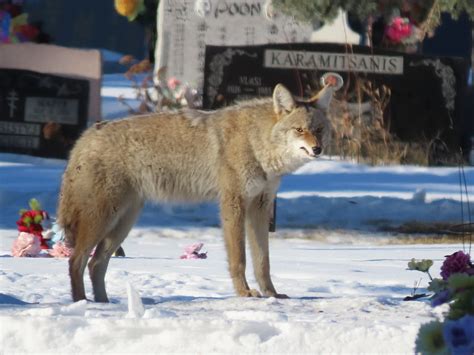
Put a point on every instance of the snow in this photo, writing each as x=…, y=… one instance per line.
x=346, y=278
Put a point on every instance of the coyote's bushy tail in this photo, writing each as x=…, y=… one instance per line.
x=67, y=216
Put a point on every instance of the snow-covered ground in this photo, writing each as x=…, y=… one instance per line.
x=346, y=278
x=344, y=299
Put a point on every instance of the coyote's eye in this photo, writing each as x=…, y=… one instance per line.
x=299, y=130
x=319, y=130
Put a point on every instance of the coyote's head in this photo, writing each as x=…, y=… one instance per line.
x=302, y=126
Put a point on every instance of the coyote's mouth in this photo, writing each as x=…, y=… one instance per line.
x=310, y=154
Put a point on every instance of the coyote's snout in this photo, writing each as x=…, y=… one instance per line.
x=236, y=156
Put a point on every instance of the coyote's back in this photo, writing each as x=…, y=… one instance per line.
x=149, y=157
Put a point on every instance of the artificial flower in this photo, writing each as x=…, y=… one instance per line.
x=459, y=335
x=192, y=252
x=430, y=339
x=461, y=281
x=420, y=265
x=129, y=8
x=31, y=221
x=440, y=298
x=26, y=244
x=399, y=29
x=60, y=250
x=459, y=262
x=173, y=83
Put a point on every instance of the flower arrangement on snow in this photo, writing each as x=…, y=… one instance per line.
x=37, y=235
x=193, y=252
x=455, y=334
x=31, y=220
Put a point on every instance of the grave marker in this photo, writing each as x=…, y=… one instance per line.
x=41, y=114
x=186, y=27
x=48, y=96
x=426, y=91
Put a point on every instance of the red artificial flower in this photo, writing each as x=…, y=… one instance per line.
x=21, y=227
x=399, y=29
x=28, y=32
x=30, y=222
x=27, y=223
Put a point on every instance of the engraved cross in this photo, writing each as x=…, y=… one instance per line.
x=12, y=98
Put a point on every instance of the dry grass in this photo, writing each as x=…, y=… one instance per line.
x=408, y=233
x=362, y=132
x=155, y=92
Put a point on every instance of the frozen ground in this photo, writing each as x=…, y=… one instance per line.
x=344, y=299
x=345, y=279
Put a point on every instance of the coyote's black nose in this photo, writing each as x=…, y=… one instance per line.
x=317, y=150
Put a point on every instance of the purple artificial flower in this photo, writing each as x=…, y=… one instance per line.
x=440, y=298
x=459, y=335
x=459, y=262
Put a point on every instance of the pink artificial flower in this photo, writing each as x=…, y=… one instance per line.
x=192, y=252
x=399, y=29
x=173, y=83
x=459, y=262
x=60, y=250
x=27, y=244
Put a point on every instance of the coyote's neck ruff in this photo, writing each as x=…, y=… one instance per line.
x=235, y=156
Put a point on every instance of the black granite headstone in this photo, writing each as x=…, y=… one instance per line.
x=41, y=114
x=426, y=92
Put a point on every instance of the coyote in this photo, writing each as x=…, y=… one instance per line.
x=235, y=155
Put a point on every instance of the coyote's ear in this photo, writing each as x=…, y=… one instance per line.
x=282, y=100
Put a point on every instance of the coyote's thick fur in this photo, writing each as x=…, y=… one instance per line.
x=235, y=155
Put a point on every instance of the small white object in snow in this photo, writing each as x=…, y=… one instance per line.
x=135, y=304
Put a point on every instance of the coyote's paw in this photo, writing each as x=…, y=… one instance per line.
x=276, y=295
x=249, y=293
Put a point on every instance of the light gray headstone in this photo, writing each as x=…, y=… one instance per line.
x=185, y=27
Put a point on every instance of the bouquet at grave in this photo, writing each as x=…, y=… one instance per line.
x=455, y=334
x=427, y=12
x=175, y=94
x=37, y=234
x=401, y=32
x=156, y=93
x=14, y=26
x=30, y=240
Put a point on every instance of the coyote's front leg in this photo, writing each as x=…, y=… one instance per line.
x=257, y=223
x=233, y=216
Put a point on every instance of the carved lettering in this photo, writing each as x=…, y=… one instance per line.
x=275, y=58
x=233, y=89
x=250, y=80
x=324, y=60
x=392, y=65
x=227, y=8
